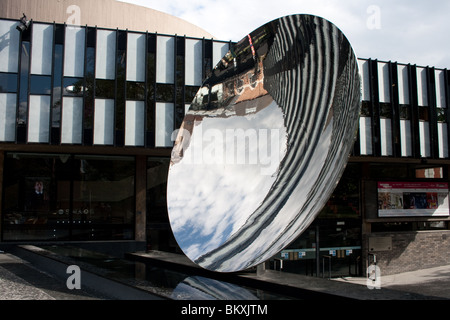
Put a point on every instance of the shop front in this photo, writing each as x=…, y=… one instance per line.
x=68, y=197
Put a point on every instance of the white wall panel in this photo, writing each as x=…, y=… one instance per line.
x=164, y=124
x=72, y=120
x=422, y=93
x=365, y=79
x=74, y=46
x=104, y=121
x=193, y=65
x=424, y=134
x=42, y=49
x=403, y=84
x=386, y=137
x=9, y=48
x=442, y=128
x=219, y=51
x=105, y=59
x=8, y=103
x=365, y=135
x=440, y=88
x=134, y=123
x=165, y=55
x=384, y=85
x=39, y=118
x=136, y=57
x=405, y=138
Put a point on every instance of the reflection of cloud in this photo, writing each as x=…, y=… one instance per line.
x=321, y=103
x=212, y=200
x=238, y=217
x=289, y=214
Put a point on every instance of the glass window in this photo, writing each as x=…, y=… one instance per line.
x=405, y=112
x=423, y=114
x=135, y=90
x=190, y=93
x=36, y=197
x=105, y=89
x=73, y=86
x=8, y=82
x=151, y=76
x=64, y=197
x=103, y=198
x=430, y=173
x=40, y=84
x=159, y=232
x=57, y=80
x=385, y=110
x=441, y=114
x=207, y=59
x=59, y=34
x=23, y=91
x=164, y=92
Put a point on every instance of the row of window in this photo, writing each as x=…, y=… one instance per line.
x=100, y=86
x=404, y=110
x=85, y=85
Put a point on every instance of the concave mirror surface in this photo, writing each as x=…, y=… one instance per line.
x=264, y=143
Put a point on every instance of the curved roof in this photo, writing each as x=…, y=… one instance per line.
x=101, y=13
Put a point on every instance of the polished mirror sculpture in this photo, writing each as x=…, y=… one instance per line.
x=264, y=143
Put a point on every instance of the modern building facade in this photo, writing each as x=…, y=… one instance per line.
x=87, y=114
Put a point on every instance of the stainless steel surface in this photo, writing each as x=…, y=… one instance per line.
x=264, y=143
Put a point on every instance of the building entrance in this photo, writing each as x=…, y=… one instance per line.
x=68, y=197
x=331, y=246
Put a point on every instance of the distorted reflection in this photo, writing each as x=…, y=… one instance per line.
x=201, y=288
x=264, y=143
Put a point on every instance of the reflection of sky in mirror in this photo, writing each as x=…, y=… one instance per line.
x=228, y=218
x=289, y=213
x=214, y=198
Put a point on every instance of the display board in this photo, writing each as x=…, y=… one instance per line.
x=409, y=199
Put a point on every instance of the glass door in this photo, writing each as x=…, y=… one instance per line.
x=36, y=197
x=66, y=197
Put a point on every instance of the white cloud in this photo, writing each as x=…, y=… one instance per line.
x=409, y=31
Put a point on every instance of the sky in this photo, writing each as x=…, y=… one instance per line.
x=405, y=31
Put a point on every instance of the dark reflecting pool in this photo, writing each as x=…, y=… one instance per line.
x=161, y=281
